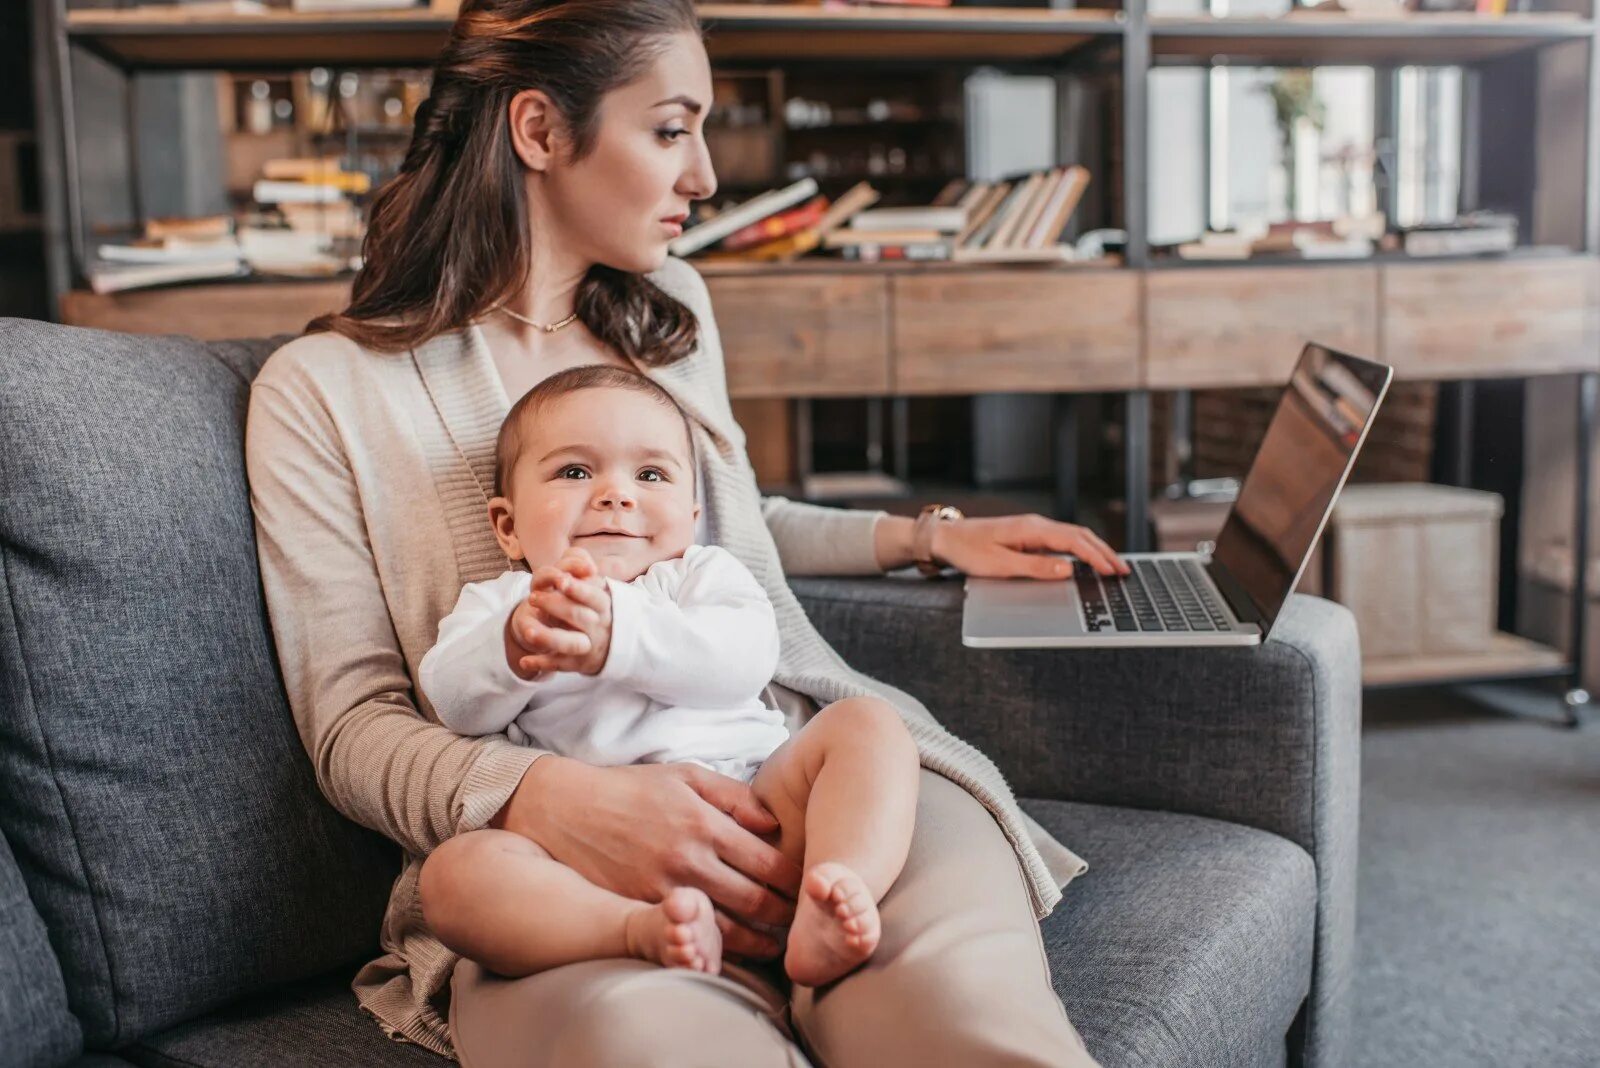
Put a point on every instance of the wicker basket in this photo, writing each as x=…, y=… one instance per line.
x=1418, y=565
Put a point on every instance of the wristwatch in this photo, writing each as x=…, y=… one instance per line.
x=922, y=535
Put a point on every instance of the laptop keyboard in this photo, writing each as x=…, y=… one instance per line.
x=1160, y=595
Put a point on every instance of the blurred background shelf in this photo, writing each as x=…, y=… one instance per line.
x=142, y=38
x=1507, y=656
x=1314, y=37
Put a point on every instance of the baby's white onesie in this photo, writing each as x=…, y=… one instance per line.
x=694, y=641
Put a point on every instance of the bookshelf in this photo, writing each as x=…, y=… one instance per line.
x=145, y=39
x=1308, y=37
x=1136, y=325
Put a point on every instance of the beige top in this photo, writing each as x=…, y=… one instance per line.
x=369, y=475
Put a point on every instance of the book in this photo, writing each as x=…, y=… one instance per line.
x=954, y=192
x=1012, y=212
x=983, y=211
x=737, y=218
x=923, y=251
x=352, y=5
x=267, y=191
x=775, y=226
x=1063, y=203
x=299, y=169
x=947, y=220
x=1012, y=254
x=1472, y=234
x=175, y=250
x=197, y=228
x=205, y=8
x=339, y=219
x=844, y=238
x=1036, y=207
x=117, y=277
x=984, y=234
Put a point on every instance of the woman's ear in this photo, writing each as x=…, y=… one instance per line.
x=505, y=528
x=537, y=128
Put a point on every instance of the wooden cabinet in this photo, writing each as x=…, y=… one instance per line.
x=1245, y=326
x=208, y=312
x=996, y=331
x=1489, y=318
x=804, y=335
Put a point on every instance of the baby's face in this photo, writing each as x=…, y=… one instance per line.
x=606, y=470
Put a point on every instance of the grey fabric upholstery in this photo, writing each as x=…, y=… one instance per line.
x=1189, y=944
x=162, y=809
x=1267, y=737
x=314, y=1023
x=35, y=1027
x=1188, y=941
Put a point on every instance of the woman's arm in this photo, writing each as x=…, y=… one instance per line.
x=816, y=540
x=377, y=760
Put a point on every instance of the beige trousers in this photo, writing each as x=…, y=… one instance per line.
x=960, y=978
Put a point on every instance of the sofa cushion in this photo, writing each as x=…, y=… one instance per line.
x=1188, y=941
x=162, y=809
x=35, y=1027
x=313, y=1023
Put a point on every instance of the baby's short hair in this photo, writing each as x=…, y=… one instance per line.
x=508, y=446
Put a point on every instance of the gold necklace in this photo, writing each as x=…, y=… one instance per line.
x=549, y=329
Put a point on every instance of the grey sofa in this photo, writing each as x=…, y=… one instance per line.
x=175, y=891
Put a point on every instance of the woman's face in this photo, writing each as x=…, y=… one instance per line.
x=649, y=161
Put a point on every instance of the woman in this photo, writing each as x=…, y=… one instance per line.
x=526, y=233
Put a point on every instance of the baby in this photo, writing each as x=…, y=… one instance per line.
x=626, y=642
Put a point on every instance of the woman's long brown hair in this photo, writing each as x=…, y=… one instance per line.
x=448, y=237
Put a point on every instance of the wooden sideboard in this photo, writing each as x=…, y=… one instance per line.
x=821, y=330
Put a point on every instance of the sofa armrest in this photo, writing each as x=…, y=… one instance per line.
x=1268, y=737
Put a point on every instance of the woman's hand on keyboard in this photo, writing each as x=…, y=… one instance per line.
x=1013, y=546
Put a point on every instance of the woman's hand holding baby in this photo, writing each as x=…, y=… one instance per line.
x=564, y=624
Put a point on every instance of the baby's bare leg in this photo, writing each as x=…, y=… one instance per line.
x=499, y=899
x=844, y=790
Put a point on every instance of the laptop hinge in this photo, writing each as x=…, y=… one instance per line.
x=1244, y=609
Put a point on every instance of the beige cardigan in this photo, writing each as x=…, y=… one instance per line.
x=368, y=475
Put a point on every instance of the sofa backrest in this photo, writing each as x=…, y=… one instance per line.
x=162, y=810
x=36, y=1028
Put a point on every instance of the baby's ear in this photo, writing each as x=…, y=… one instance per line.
x=503, y=521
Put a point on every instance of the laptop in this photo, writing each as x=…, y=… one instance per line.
x=1229, y=593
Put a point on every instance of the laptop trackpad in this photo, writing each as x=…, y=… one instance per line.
x=1021, y=608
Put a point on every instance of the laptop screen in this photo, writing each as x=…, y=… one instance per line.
x=1302, y=462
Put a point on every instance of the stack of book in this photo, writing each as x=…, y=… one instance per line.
x=776, y=227
x=169, y=251
x=1017, y=220
x=1347, y=237
x=1475, y=233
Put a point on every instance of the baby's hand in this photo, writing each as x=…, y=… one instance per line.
x=533, y=641
x=572, y=600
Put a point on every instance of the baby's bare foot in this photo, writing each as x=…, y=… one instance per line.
x=681, y=932
x=835, y=927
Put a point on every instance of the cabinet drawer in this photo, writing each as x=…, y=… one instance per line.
x=989, y=331
x=1245, y=326
x=803, y=335
x=1447, y=320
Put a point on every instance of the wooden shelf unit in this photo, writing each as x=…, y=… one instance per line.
x=815, y=329
x=1506, y=655
x=1316, y=37
x=151, y=39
